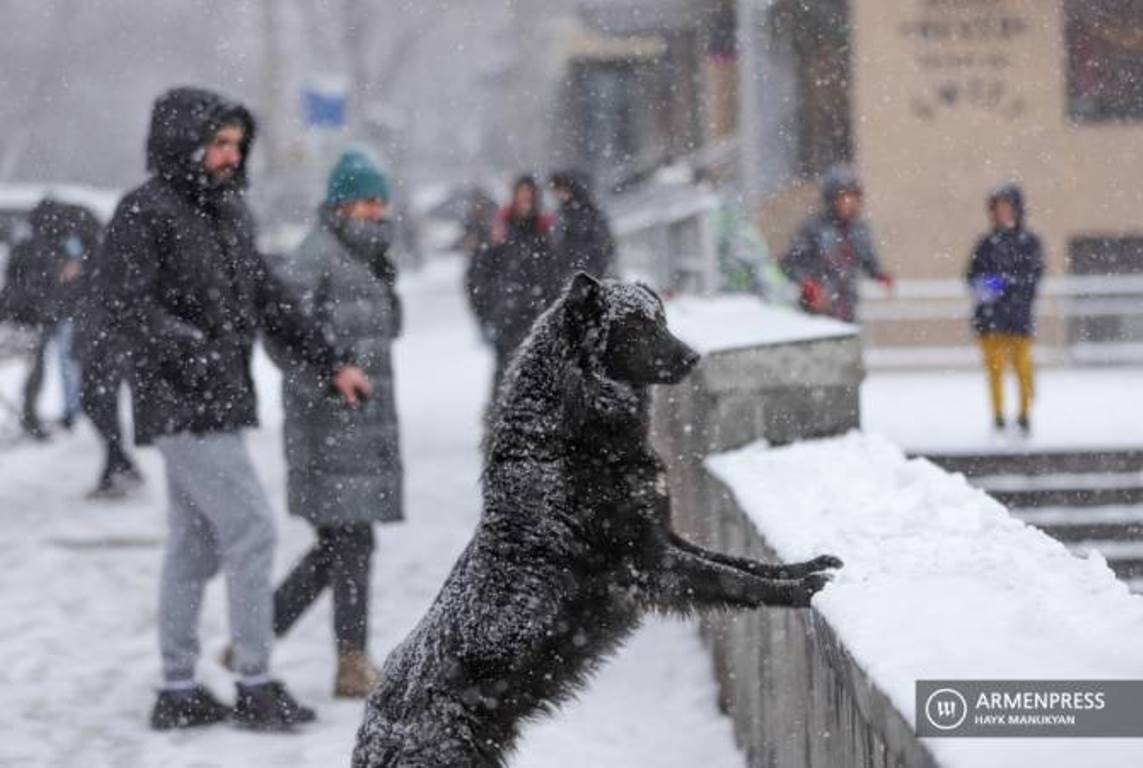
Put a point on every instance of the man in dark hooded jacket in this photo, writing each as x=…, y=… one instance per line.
x=832, y=248
x=40, y=292
x=188, y=292
x=1004, y=272
x=582, y=235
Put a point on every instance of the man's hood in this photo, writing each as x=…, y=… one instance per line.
x=839, y=179
x=1013, y=194
x=183, y=121
x=577, y=183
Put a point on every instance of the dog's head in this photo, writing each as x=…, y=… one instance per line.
x=621, y=327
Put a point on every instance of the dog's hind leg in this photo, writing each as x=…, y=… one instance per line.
x=688, y=581
x=757, y=567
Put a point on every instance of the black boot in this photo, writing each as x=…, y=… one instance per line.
x=269, y=707
x=998, y=423
x=190, y=708
x=120, y=465
x=1024, y=424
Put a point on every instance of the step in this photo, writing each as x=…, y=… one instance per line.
x=1115, y=523
x=1135, y=585
x=1069, y=497
x=1042, y=462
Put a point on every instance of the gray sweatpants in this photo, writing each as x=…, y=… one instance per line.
x=219, y=517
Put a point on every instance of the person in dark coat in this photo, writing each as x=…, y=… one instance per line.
x=511, y=283
x=102, y=364
x=832, y=248
x=582, y=235
x=1004, y=273
x=40, y=294
x=344, y=463
x=189, y=293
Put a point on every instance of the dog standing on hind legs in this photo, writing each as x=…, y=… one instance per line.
x=573, y=548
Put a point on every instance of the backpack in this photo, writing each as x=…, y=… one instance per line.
x=27, y=295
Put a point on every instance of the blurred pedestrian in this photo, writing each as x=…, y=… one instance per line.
x=476, y=228
x=516, y=279
x=39, y=294
x=189, y=293
x=581, y=236
x=833, y=247
x=344, y=463
x=1004, y=273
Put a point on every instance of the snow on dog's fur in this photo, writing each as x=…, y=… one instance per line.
x=573, y=547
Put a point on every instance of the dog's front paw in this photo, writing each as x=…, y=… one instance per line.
x=822, y=562
x=808, y=586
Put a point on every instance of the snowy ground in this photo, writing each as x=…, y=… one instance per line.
x=948, y=411
x=78, y=660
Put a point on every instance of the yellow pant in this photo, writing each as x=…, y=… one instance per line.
x=1001, y=350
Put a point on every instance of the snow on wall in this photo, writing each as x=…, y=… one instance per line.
x=941, y=582
x=738, y=321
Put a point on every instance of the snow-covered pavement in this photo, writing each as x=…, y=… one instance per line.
x=948, y=411
x=78, y=657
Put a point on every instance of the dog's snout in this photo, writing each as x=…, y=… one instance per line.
x=690, y=359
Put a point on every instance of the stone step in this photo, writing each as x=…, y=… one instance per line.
x=1042, y=462
x=1070, y=524
x=1064, y=489
x=1069, y=497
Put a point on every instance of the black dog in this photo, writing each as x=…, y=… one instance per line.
x=573, y=548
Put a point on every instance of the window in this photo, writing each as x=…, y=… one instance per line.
x=1105, y=60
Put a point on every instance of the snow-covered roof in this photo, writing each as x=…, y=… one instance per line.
x=722, y=323
x=24, y=196
x=941, y=582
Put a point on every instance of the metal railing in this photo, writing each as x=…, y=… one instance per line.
x=1084, y=319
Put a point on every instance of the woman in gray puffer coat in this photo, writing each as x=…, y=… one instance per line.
x=344, y=462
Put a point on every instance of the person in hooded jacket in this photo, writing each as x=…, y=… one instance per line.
x=40, y=293
x=515, y=280
x=344, y=464
x=1003, y=274
x=186, y=289
x=832, y=248
x=581, y=236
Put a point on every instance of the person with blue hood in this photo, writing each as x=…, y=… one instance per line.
x=187, y=291
x=832, y=248
x=344, y=463
x=1004, y=273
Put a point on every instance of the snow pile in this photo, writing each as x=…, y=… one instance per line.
x=738, y=321
x=941, y=582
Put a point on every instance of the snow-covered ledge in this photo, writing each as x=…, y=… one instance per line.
x=940, y=582
x=767, y=372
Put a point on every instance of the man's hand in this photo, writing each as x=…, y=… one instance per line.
x=887, y=280
x=70, y=271
x=352, y=383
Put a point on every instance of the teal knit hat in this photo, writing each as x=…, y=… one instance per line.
x=355, y=177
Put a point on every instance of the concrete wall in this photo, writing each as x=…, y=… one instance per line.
x=794, y=693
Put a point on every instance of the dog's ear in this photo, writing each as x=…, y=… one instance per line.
x=584, y=297
x=584, y=314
